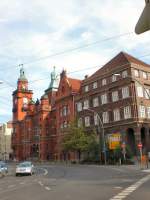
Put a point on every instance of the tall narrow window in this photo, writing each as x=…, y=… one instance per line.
x=124, y=74
x=79, y=122
x=148, y=112
x=114, y=78
x=139, y=91
x=147, y=93
x=104, y=98
x=94, y=85
x=95, y=102
x=142, y=111
x=86, y=88
x=96, y=119
x=79, y=106
x=115, y=96
x=125, y=92
x=104, y=82
x=87, y=121
x=116, y=115
x=86, y=104
x=127, y=112
x=105, y=117
x=136, y=73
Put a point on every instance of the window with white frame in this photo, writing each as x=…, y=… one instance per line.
x=79, y=122
x=94, y=85
x=145, y=75
x=116, y=114
x=86, y=104
x=142, y=111
x=105, y=116
x=148, y=112
x=65, y=124
x=65, y=109
x=124, y=74
x=127, y=112
x=104, y=82
x=136, y=73
x=104, y=98
x=125, y=92
x=114, y=78
x=147, y=93
x=86, y=88
x=115, y=96
x=139, y=91
x=79, y=106
x=95, y=102
x=96, y=119
x=87, y=121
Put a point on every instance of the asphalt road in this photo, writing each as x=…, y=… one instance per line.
x=77, y=182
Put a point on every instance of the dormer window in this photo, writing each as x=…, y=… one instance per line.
x=86, y=88
x=104, y=82
x=114, y=78
x=94, y=85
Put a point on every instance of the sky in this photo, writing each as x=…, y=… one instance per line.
x=79, y=36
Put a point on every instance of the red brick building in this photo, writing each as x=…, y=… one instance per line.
x=38, y=127
x=120, y=93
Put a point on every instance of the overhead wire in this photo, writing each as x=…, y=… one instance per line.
x=71, y=50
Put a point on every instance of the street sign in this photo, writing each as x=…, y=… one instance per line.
x=114, y=140
x=140, y=145
x=123, y=145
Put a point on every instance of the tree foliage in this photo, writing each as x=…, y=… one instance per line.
x=78, y=140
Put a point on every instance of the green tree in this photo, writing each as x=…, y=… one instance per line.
x=77, y=140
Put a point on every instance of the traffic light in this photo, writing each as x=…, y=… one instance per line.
x=143, y=23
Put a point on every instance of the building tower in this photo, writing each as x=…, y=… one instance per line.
x=21, y=97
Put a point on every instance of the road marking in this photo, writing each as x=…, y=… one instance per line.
x=47, y=188
x=21, y=183
x=130, y=189
x=10, y=186
x=118, y=187
x=40, y=183
x=45, y=172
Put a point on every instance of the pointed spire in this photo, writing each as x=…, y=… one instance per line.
x=22, y=73
x=53, y=84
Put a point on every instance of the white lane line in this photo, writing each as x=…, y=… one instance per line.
x=40, y=183
x=21, y=183
x=10, y=186
x=118, y=187
x=130, y=189
x=47, y=188
x=45, y=172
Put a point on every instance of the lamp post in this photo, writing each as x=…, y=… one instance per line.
x=101, y=125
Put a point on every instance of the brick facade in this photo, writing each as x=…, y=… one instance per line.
x=119, y=93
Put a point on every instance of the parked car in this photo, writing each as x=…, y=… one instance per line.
x=3, y=168
x=25, y=168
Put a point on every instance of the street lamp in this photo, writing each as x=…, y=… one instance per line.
x=101, y=125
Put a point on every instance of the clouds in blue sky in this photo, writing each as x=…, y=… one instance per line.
x=34, y=29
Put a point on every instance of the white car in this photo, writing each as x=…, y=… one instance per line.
x=25, y=168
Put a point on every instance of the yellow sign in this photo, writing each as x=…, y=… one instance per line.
x=114, y=140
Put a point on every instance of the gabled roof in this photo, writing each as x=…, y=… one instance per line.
x=122, y=59
x=75, y=84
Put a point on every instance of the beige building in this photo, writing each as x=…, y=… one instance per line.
x=5, y=141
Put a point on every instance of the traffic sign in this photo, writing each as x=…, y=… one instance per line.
x=123, y=145
x=140, y=145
